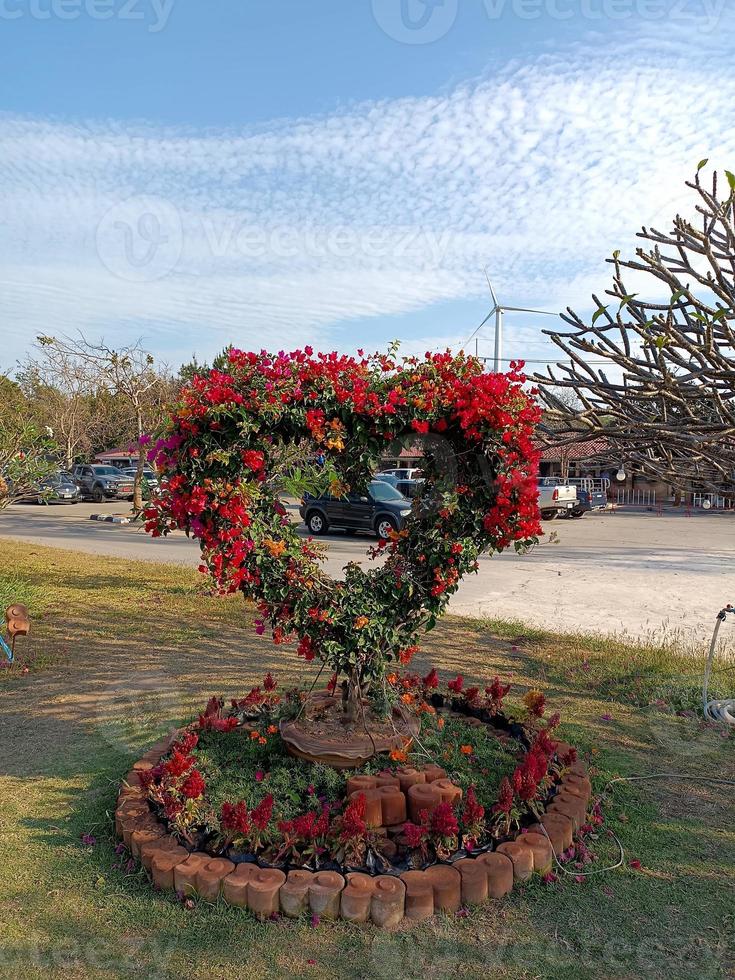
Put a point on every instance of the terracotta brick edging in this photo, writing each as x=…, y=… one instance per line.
x=384, y=900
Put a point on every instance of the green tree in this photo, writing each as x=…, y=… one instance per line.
x=27, y=452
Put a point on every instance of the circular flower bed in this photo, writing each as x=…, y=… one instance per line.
x=478, y=801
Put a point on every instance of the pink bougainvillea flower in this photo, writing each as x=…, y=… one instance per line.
x=635, y=864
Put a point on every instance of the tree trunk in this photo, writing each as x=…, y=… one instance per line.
x=138, y=481
x=351, y=697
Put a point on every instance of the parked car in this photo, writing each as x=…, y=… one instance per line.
x=402, y=473
x=410, y=488
x=588, y=500
x=58, y=488
x=98, y=482
x=379, y=511
x=149, y=477
x=555, y=497
x=119, y=462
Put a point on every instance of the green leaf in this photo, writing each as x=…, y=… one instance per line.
x=616, y=253
x=625, y=300
x=660, y=342
x=677, y=296
x=730, y=179
x=598, y=313
x=702, y=163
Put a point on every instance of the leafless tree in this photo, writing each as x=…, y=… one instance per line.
x=128, y=373
x=665, y=398
x=61, y=387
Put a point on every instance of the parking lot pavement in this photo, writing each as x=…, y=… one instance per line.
x=628, y=572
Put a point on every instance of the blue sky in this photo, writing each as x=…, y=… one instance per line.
x=338, y=172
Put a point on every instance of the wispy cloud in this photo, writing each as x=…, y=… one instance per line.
x=281, y=235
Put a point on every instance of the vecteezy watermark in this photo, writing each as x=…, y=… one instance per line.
x=424, y=21
x=144, y=239
x=415, y=21
x=153, y=13
x=140, y=239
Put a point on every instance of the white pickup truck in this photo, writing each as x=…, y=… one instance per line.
x=555, y=496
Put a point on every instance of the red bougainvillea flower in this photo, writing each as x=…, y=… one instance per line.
x=226, y=437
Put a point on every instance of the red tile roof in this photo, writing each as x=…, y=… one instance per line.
x=591, y=449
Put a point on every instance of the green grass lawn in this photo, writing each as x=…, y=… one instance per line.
x=120, y=651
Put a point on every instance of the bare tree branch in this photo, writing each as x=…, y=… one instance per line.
x=666, y=399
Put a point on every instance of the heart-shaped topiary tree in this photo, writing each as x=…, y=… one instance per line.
x=235, y=434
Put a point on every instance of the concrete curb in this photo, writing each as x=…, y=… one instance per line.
x=109, y=518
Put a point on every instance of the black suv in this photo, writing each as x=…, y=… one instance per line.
x=379, y=511
x=102, y=482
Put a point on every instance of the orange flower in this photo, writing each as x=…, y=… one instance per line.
x=276, y=548
x=254, y=735
x=361, y=622
x=398, y=755
x=392, y=678
x=440, y=723
x=407, y=698
x=262, y=740
x=272, y=729
x=466, y=749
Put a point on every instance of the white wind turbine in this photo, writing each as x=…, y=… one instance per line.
x=499, y=309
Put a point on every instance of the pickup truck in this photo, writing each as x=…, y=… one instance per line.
x=555, y=497
x=588, y=500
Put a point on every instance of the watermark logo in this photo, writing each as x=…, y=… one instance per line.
x=424, y=21
x=140, y=239
x=415, y=21
x=153, y=13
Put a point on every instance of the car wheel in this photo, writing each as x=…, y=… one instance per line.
x=579, y=513
x=548, y=515
x=98, y=494
x=384, y=526
x=317, y=523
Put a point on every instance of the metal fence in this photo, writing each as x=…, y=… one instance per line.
x=594, y=484
x=711, y=501
x=636, y=497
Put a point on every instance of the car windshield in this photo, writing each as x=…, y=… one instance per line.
x=379, y=490
x=106, y=471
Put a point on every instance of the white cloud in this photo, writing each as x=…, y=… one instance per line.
x=280, y=235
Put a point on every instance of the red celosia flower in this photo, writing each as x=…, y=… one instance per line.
x=261, y=814
x=472, y=813
x=353, y=819
x=269, y=684
x=444, y=820
x=235, y=818
x=505, y=797
x=535, y=702
x=193, y=786
x=414, y=834
x=178, y=764
x=431, y=680
x=187, y=743
x=456, y=685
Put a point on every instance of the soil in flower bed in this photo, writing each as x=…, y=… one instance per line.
x=245, y=797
